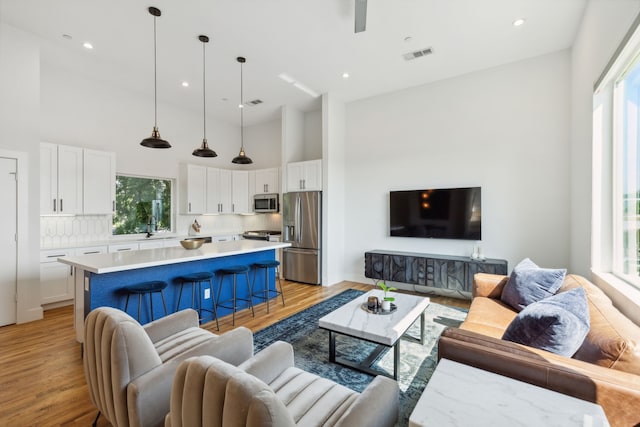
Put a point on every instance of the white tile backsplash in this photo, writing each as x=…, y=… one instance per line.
x=67, y=231
x=231, y=224
x=80, y=230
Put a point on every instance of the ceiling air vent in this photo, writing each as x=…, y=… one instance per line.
x=417, y=54
x=253, y=103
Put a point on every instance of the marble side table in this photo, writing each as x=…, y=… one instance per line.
x=461, y=395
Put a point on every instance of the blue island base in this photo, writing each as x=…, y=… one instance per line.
x=107, y=289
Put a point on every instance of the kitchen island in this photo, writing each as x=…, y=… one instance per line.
x=100, y=278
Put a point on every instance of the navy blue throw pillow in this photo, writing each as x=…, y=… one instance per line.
x=558, y=324
x=529, y=283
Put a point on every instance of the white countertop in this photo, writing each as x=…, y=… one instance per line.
x=130, y=260
x=351, y=319
x=460, y=395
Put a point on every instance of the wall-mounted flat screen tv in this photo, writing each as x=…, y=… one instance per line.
x=444, y=213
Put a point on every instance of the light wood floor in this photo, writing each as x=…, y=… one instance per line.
x=41, y=377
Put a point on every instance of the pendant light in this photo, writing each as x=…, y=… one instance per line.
x=204, y=150
x=241, y=158
x=155, y=141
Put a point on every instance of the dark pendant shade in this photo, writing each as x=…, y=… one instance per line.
x=154, y=141
x=204, y=150
x=242, y=159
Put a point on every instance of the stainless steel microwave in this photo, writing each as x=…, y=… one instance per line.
x=265, y=203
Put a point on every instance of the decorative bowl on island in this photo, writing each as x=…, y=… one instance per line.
x=192, y=243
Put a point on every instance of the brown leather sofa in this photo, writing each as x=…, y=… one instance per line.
x=604, y=370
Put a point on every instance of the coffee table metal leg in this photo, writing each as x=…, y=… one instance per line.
x=422, y=320
x=396, y=358
x=332, y=347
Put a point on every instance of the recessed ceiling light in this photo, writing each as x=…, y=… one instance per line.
x=87, y=45
x=408, y=38
x=185, y=84
x=518, y=22
x=67, y=36
x=345, y=75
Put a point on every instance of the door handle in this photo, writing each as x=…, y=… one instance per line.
x=189, y=206
x=54, y=205
x=61, y=205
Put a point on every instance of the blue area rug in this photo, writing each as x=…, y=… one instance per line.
x=311, y=346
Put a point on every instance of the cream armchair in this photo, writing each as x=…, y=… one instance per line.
x=130, y=368
x=268, y=391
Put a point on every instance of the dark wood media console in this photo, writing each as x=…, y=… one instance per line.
x=438, y=271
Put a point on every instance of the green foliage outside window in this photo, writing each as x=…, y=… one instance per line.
x=142, y=205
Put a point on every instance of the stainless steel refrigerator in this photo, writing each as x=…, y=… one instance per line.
x=302, y=219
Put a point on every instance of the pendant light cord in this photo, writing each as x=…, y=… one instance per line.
x=155, y=74
x=241, y=109
x=204, y=93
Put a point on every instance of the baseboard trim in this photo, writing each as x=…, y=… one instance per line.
x=35, y=313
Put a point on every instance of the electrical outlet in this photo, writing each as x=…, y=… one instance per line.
x=207, y=293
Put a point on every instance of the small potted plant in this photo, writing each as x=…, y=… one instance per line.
x=386, y=302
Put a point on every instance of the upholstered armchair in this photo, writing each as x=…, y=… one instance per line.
x=130, y=368
x=268, y=391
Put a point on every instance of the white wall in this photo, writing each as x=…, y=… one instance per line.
x=333, y=177
x=313, y=135
x=505, y=129
x=88, y=113
x=19, y=120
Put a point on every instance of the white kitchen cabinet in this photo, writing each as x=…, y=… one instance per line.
x=60, y=179
x=304, y=176
x=121, y=247
x=240, y=192
x=267, y=181
x=89, y=250
x=193, y=189
x=56, y=279
x=99, y=182
x=219, y=191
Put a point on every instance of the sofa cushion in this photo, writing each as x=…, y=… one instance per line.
x=557, y=324
x=488, y=316
x=529, y=283
x=613, y=340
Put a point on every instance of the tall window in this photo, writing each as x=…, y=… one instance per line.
x=142, y=205
x=626, y=193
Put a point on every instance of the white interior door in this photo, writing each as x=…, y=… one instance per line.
x=8, y=244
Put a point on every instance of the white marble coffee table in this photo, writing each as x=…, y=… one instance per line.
x=461, y=395
x=382, y=329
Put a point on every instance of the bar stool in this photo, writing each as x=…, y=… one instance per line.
x=265, y=293
x=154, y=286
x=196, y=279
x=234, y=271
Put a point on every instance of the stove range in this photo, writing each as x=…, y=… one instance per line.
x=269, y=235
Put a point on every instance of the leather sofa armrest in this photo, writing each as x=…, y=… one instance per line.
x=172, y=324
x=488, y=285
x=616, y=391
x=271, y=362
x=377, y=405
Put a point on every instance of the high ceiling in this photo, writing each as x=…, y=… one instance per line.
x=311, y=40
